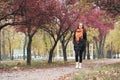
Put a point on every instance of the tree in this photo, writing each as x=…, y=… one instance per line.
x=98, y=19
x=12, y=41
x=83, y=6
x=36, y=14
x=111, y=6
x=91, y=34
x=66, y=37
x=0, y=46
x=24, y=45
x=8, y=13
x=10, y=38
x=64, y=42
x=41, y=43
x=112, y=42
x=64, y=19
x=3, y=55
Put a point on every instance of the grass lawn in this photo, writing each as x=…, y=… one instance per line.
x=10, y=65
x=108, y=72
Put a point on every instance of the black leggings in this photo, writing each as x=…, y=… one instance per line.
x=78, y=54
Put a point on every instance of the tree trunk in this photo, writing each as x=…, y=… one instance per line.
x=0, y=52
x=111, y=49
x=0, y=45
x=45, y=42
x=84, y=52
x=3, y=45
x=24, y=46
x=38, y=52
x=62, y=41
x=64, y=52
x=12, y=55
x=52, y=51
x=100, y=48
x=10, y=48
x=29, y=50
x=88, y=53
x=103, y=43
x=97, y=48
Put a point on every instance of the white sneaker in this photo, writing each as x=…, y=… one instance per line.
x=80, y=65
x=77, y=65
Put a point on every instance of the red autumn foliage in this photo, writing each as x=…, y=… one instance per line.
x=98, y=19
x=35, y=13
x=111, y=6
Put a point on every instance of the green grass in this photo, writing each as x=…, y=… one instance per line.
x=34, y=64
x=108, y=72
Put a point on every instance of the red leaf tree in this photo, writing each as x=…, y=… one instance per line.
x=49, y=15
x=111, y=6
x=97, y=18
x=36, y=14
x=65, y=19
x=8, y=14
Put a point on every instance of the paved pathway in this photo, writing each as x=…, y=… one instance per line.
x=57, y=73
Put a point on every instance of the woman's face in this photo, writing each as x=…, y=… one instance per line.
x=80, y=25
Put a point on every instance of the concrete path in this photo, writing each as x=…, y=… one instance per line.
x=57, y=73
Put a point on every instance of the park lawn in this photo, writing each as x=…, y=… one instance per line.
x=20, y=64
x=108, y=72
x=10, y=64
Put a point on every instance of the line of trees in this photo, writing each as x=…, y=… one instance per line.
x=59, y=18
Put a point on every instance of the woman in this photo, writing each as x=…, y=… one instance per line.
x=79, y=41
